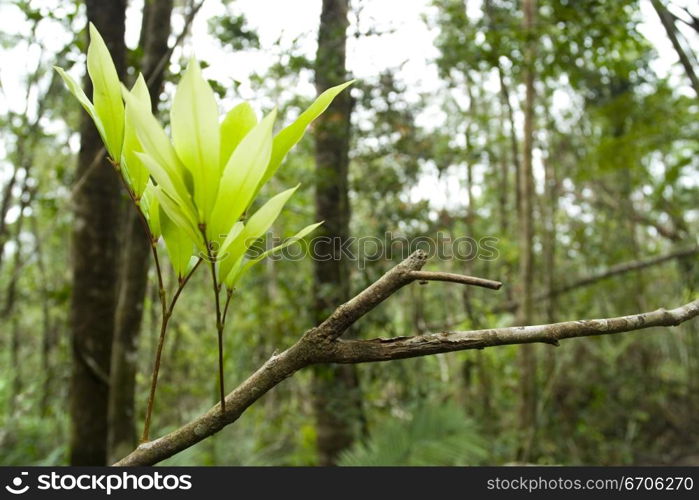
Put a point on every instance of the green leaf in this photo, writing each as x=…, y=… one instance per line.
x=178, y=216
x=235, y=231
x=195, y=134
x=151, y=209
x=239, y=271
x=106, y=95
x=159, y=156
x=241, y=176
x=258, y=224
x=132, y=166
x=171, y=183
x=235, y=273
x=291, y=135
x=238, y=122
x=79, y=94
x=152, y=136
x=178, y=243
x=289, y=241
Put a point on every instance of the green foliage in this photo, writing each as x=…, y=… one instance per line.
x=437, y=434
x=232, y=31
x=622, y=142
x=208, y=175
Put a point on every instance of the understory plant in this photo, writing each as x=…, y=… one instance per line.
x=194, y=188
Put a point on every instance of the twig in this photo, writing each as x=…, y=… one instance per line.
x=425, y=276
x=615, y=270
x=160, y=67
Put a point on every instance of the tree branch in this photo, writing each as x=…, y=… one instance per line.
x=322, y=345
x=615, y=270
x=668, y=22
x=424, y=276
x=344, y=316
x=362, y=351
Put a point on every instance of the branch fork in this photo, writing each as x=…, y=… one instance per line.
x=322, y=344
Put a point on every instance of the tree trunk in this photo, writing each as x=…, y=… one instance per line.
x=4, y=207
x=549, y=205
x=668, y=22
x=336, y=398
x=133, y=280
x=48, y=332
x=527, y=355
x=16, y=385
x=95, y=263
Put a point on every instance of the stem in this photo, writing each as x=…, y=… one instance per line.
x=219, y=316
x=167, y=313
x=229, y=294
x=154, y=378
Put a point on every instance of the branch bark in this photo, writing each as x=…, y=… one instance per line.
x=424, y=276
x=363, y=351
x=321, y=344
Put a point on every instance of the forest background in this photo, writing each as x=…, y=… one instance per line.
x=556, y=139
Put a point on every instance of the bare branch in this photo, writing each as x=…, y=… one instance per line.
x=349, y=312
x=404, y=273
x=362, y=351
x=322, y=345
x=424, y=276
x=615, y=270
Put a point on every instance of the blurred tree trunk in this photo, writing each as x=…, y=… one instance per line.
x=527, y=355
x=16, y=384
x=668, y=21
x=135, y=258
x=470, y=219
x=4, y=207
x=95, y=263
x=48, y=334
x=10, y=312
x=337, y=403
x=549, y=204
x=25, y=199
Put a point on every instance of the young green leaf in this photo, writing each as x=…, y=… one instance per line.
x=79, y=94
x=132, y=166
x=256, y=226
x=241, y=176
x=235, y=231
x=151, y=210
x=178, y=243
x=238, y=122
x=178, y=216
x=153, y=138
x=234, y=273
x=106, y=95
x=291, y=135
x=171, y=182
x=195, y=134
x=289, y=241
x=238, y=271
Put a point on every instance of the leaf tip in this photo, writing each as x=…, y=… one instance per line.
x=94, y=33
